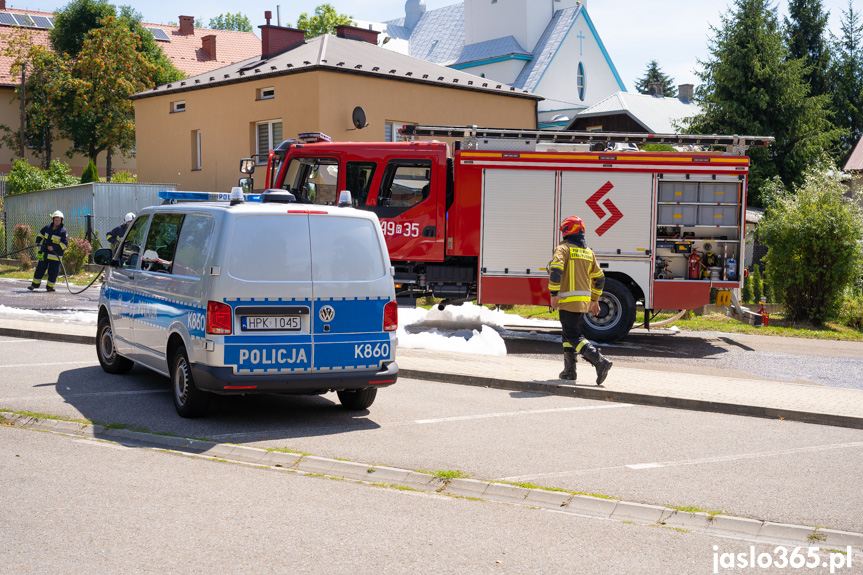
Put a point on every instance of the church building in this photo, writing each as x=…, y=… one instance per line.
x=548, y=47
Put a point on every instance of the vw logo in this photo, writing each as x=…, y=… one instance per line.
x=327, y=313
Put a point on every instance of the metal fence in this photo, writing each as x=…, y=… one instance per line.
x=90, y=210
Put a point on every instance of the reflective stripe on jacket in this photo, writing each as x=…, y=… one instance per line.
x=54, y=237
x=575, y=277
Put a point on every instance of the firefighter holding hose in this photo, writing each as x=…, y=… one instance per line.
x=52, y=241
x=575, y=282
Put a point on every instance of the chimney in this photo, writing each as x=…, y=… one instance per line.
x=187, y=25
x=208, y=43
x=276, y=39
x=354, y=33
x=685, y=92
x=2, y=4
x=655, y=89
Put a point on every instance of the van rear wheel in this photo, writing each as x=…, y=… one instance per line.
x=356, y=399
x=109, y=359
x=188, y=399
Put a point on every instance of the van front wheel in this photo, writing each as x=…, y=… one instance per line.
x=188, y=399
x=356, y=399
x=109, y=359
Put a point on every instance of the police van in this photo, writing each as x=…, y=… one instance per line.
x=245, y=297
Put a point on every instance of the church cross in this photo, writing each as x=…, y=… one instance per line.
x=581, y=38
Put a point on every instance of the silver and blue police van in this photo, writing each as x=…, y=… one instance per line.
x=267, y=296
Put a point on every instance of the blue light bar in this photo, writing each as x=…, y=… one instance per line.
x=204, y=196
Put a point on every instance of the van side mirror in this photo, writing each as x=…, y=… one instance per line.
x=103, y=257
x=248, y=185
x=247, y=166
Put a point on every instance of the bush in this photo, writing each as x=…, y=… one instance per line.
x=76, y=255
x=91, y=174
x=23, y=236
x=26, y=178
x=757, y=284
x=746, y=292
x=768, y=289
x=812, y=239
x=124, y=177
x=851, y=308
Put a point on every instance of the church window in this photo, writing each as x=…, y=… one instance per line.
x=581, y=81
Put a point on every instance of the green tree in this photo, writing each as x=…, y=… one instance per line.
x=239, y=22
x=95, y=91
x=25, y=178
x=757, y=284
x=324, y=21
x=751, y=86
x=165, y=71
x=746, y=290
x=655, y=74
x=90, y=174
x=806, y=35
x=847, y=79
x=812, y=236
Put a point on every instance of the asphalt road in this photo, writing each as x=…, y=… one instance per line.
x=75, y=505
x=773, y=470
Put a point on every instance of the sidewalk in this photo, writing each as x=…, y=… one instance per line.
x=736, y=396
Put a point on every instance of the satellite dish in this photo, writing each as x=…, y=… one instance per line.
x=359, y=118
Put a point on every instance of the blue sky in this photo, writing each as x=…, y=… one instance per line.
x=673, y=32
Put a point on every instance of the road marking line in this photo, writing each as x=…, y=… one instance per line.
x=524, y=412
x=100, y=443
x=100, y=393
x=684, y=462
x=56, y=363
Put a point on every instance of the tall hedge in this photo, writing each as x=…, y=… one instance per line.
x=91, y=174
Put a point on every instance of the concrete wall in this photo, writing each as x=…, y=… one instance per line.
x=306, y=102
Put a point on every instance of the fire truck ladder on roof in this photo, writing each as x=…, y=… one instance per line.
x=471, y=135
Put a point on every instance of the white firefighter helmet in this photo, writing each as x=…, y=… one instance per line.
x=57, y=214
x=129, y=217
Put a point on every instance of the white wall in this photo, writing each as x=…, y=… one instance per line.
x=503, y=72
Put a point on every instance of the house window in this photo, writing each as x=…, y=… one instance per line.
x=266, y=93
x=178, y=106
x=391, y=132
x=269, y=135
x=581, y=81
x=196, y=150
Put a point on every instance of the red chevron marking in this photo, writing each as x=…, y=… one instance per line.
x=593, y=201
x=616, y=216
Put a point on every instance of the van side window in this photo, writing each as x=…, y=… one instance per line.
x=405, y=183
x=193, y=246
x=161, y=243
x=130, y=253
x=313, y=180
x=358, y=180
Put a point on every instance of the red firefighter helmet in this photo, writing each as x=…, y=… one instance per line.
x=572, y=225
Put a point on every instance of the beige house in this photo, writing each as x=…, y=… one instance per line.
x=195, y=132
x=192, y=50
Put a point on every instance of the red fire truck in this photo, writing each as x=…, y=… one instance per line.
x=480, y=221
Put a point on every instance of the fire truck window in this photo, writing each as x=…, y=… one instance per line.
x=313, y=180
x=358, y=179
x=405, y=184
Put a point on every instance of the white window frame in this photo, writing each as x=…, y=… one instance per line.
x=391, y=129
x=269, y=123
x=178, y=106
x=267, y=93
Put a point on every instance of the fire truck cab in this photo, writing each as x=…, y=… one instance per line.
x=480, y=221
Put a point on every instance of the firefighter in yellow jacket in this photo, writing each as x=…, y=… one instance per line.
x=575, y=282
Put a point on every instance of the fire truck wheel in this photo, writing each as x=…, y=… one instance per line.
x=616, y=314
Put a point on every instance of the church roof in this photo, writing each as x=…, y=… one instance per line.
x=490, y=49
x=547, y=47
x=438, y=36
x=656, y=114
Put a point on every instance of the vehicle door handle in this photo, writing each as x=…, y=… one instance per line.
x=429, y=231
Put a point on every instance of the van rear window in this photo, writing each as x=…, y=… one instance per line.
x=345, y=249
x=271, y=248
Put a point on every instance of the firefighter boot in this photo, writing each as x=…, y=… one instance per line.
x=599, y=361
x=568, y=363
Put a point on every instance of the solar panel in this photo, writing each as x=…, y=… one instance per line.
x=24, y=20
x=51, y=21
x=42, y=22
x=159, y=34
x=7, y=19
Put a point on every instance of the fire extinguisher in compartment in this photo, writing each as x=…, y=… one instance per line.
x=694, y=265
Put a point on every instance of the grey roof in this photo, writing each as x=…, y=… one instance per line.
x=491, y=49
x=547, y=47
x=335, y=54
x=656, y=114
x=438, y=36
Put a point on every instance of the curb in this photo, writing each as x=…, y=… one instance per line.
x=582, y=392
x=603, y=394
x=582, y=505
